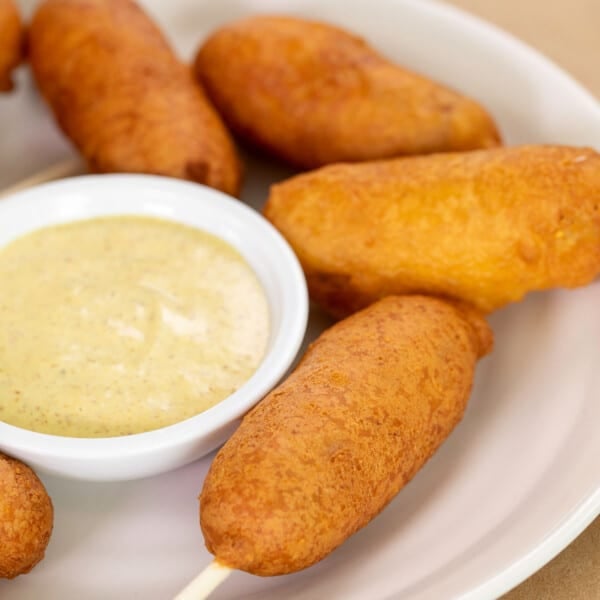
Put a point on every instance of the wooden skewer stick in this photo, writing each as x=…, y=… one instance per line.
x=72, y=166
x=205, y=583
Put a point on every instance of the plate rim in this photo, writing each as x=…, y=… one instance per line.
x=524, y=565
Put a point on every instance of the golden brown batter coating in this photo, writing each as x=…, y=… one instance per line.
x=485, y=227
x=26, y=518
x=11, y=42
x=122, y=96
x=313, y=94
x=326, y=451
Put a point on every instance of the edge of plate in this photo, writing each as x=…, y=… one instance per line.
x=503, y=37
x=576, y=521
x=526, y=565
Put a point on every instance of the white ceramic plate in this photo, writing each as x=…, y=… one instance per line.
x=517, y=480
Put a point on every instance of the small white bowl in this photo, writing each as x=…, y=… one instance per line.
x=276, y=266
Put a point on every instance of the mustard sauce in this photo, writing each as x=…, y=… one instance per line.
x=119, y=325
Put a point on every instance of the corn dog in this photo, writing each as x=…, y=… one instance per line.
x=326, y=451
x=122, y=96
x=26, y=518
x=313, y=94
x=11, y=42
x=485, y=227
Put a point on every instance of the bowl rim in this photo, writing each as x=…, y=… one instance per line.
x=285, y=340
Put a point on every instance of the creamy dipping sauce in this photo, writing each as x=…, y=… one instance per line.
x=120, y=325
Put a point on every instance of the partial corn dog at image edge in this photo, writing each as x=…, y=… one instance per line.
x=315, y=461
x=26, y=518
x=485, y=227
x=313, y=94
x=11, y=42
x=123, y=98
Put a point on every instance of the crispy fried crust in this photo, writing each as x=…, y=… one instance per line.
x=485, y=227
x=123, y=97
x=11, y=42
x=327, y=450
x=26, y=518
x=313, y=94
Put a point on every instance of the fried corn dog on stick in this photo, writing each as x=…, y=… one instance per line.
x=122, y=96
x=327, y=450
x=485, y=227
x=11, y=42
x=313, y=94
x=26, y=518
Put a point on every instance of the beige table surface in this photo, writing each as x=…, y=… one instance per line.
x=568, y=32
